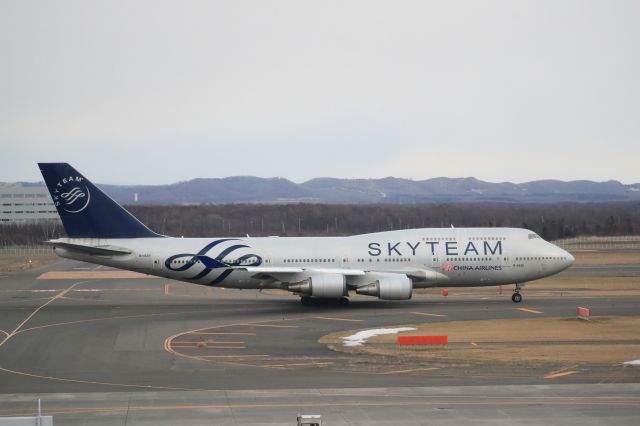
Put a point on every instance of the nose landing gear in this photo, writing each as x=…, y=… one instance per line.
x=517, y=297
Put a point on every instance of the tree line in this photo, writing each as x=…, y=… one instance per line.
x=551, y=221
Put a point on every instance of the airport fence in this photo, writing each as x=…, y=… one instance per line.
x=26, y=251
x=622, y=242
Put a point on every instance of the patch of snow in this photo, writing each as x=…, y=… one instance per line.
x=362, y=336
x=634, y=363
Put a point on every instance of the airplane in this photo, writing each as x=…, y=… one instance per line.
x=387, y=265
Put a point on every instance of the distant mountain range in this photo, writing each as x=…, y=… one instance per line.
x=248, y=189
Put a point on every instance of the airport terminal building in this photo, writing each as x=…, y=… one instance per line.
x=25, y=202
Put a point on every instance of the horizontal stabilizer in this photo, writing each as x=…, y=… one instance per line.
x=95, y=250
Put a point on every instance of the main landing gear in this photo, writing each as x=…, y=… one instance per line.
x=517, y=297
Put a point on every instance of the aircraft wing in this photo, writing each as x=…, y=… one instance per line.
x=293, y=274
x=287, y=274
x=355, y=276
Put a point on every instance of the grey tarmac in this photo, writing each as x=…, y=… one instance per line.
x=136, y=351
x=504, y=405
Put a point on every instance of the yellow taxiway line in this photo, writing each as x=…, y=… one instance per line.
x=338, y=319
x=531, y=311
x=301, y=364
x=268, y=325
x=233, y=356
x=38, y=309
x=413, y=370
x=426, y=314
x=564, y=373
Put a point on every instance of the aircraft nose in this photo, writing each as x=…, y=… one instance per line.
x=563, y=259
x=570, y=259
x=567, y=259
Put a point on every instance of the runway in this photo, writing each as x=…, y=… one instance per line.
x=112, y=341
x=503, y=405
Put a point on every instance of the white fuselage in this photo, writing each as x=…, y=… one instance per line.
x=430, y=257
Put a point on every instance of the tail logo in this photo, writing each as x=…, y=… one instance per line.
x=71, y=194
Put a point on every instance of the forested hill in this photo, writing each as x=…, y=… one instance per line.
x=551, y=220
x=248, y=189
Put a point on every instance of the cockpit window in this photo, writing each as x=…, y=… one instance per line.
x=533, y=236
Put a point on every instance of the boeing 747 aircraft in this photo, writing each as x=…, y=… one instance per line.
x=387, y=265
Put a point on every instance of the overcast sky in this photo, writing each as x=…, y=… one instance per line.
x=157, y=92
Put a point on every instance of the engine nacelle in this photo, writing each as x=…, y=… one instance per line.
x=389, y=288
x=329, y=286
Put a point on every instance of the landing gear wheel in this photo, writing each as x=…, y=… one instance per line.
x=343, y=301
x=306, y=300
x=517, y=298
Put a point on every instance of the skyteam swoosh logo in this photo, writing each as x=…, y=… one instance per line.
x=210, y=263
x=71, y=194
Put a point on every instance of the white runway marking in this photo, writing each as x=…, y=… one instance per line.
x=427, y=314
x=362, y=336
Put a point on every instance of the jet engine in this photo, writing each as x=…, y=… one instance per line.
x=388, y=288
x=330, y=286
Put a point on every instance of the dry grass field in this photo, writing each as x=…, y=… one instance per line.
x=601, y=340
x=593, y=257
x=16, y=263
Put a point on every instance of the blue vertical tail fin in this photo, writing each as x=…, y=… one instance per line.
x=86, y=211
